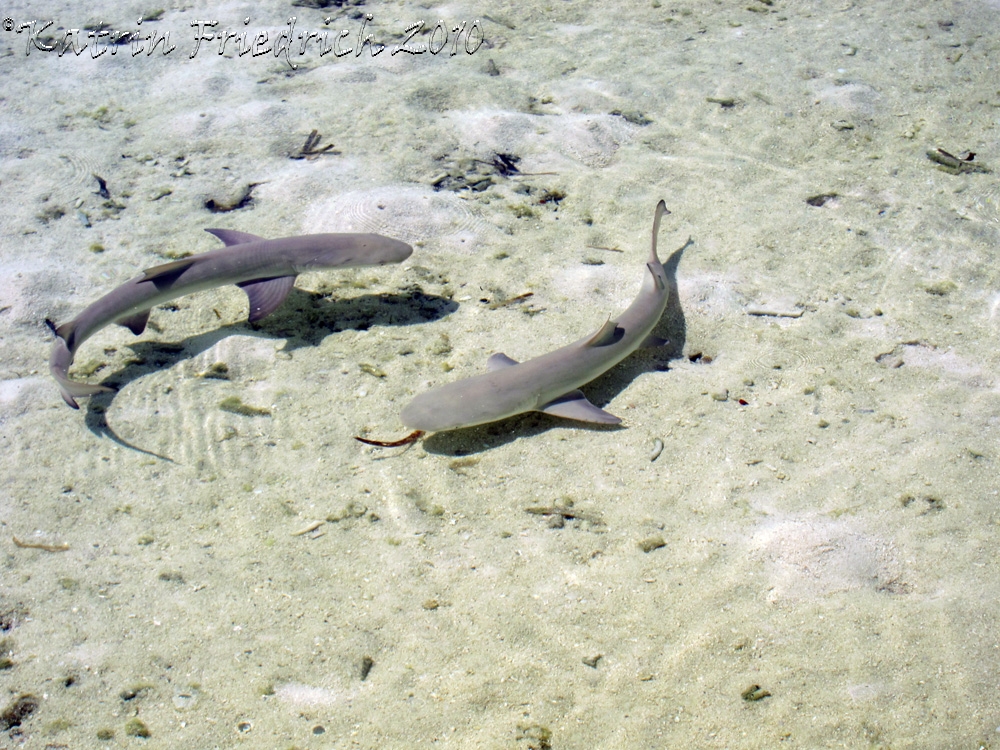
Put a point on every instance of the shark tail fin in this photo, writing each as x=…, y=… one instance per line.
x=661, y=211
x=59, y=363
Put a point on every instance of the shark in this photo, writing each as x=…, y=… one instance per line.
x=265, y=269
x=549, y=383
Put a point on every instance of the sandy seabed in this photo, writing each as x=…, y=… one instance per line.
x=809, y=562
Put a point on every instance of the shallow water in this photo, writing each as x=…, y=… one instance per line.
x=821, y=521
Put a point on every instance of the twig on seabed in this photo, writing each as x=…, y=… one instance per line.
x=39, y=545
x=411, y=438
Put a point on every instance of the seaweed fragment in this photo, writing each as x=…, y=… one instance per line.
x=478, y=174
x=651, y=543
x=102, y=187
x=12, y=616
x=40, y=545
x=366, y=667
x=309, y=149
x=564, y=511
x=632, y=116
x=506, y=164
x=726, y=102
x=555, y=197
x=50, y=213
x=217, y=371
x=534, y=736
x=522, y=211
x=821, y=199
x=754, y=693
x=370, y=369
x=411, y=438
x=235, y=405
x=956, y=164
x=137, y=728
x=17, y=711
x=498, y=303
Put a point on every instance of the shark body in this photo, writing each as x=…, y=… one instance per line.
x=264, y=269
x=549, y=383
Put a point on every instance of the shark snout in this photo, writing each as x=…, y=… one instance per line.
x=395, y=251
x=381, y=251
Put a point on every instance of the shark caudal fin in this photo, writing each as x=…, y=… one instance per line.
x=661, y=211
x=59, y=363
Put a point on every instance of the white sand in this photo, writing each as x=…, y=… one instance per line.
x=832, y=540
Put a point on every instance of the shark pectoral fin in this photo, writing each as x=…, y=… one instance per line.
x=499, y=361
x=167, y=274
x=574, y=405
x=652, y=341
x=609, y=334
x=266, y=295
x=135, y=323
x=232, y=237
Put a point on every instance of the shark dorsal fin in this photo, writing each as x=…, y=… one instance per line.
x=266, y=295
x=232, y=237
x=609, y=334
x=499, y=361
